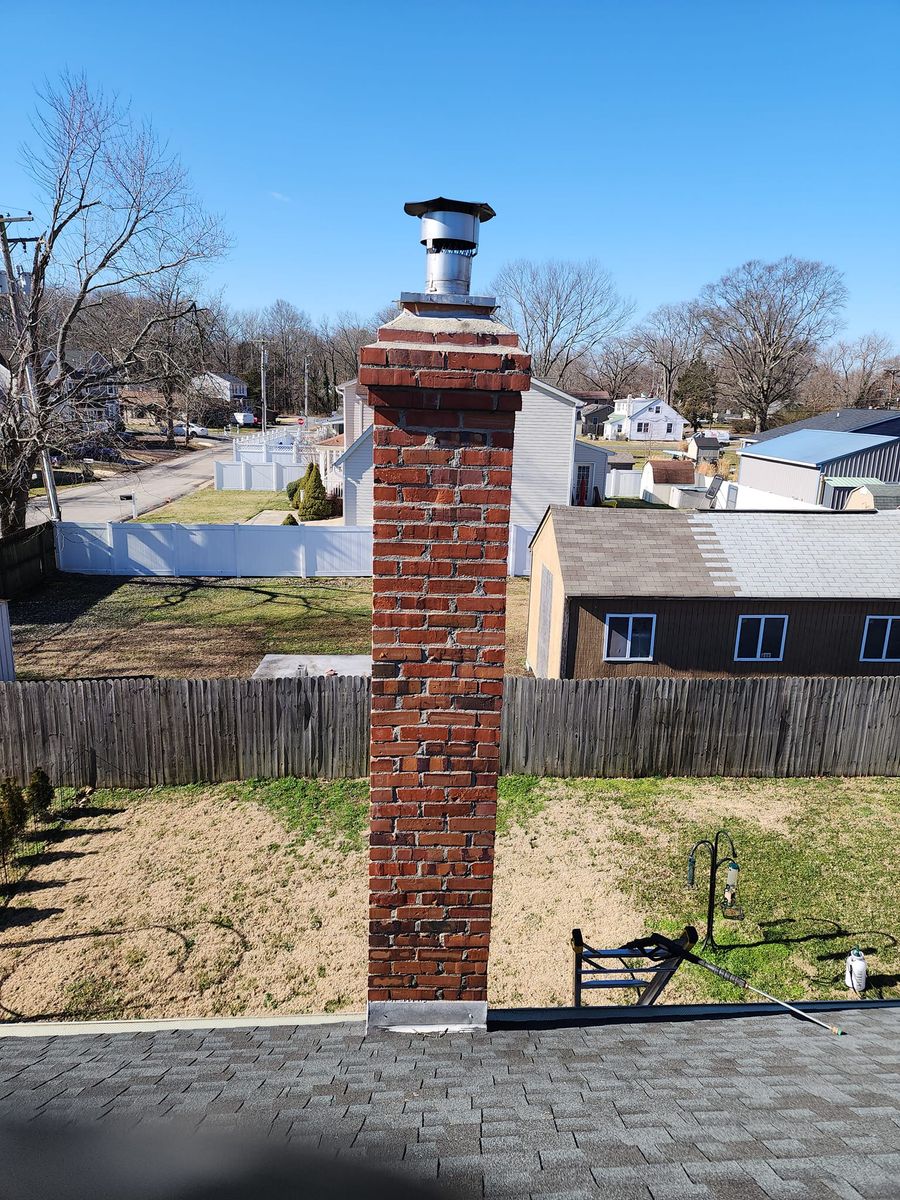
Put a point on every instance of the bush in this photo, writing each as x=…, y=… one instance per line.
x=290, y=519
x=315, y=505
x=39, y=794
x=295, y=486
x=13, y=807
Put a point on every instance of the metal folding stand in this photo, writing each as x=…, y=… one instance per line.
x=663, y=957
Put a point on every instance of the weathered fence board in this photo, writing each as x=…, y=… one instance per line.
x=662, y=726
x=143, y=732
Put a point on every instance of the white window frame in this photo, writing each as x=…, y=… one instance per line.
x=762, y=618
x=630, y=618
x=643, y=427
x=889, y=617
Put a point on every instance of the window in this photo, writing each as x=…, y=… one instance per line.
x=881, y=640
x=629, y=637
x=760, y=639
x=643, y=426
x=657, y=409
x=668, y=426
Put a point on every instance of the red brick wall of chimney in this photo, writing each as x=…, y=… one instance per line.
x=445, y=408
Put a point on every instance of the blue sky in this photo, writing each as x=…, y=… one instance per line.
x=671, y=139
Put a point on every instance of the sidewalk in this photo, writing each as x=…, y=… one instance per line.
x=151, y=487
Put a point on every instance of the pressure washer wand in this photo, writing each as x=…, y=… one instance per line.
x=742, y=983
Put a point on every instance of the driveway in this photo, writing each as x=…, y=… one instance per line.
x=151, y=487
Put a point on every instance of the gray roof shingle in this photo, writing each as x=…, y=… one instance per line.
x=790, y=555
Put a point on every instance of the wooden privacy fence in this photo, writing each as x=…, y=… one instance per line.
x=26, y=560
x=744, y=727
x=138, y=733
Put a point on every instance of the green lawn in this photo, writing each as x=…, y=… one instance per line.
x=633, y=502
x=642, y=451
x=217, y=508
x=817, y=860
x=93, y=625
x=258, y=891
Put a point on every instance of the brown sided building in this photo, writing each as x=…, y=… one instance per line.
x=623, y=592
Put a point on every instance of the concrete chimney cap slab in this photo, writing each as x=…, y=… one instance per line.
x=418, y=208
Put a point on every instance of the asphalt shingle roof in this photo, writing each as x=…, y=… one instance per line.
x=791, y=555
x=761, y=1108
x=885, y=495
x=672, y=470
x=815, y=447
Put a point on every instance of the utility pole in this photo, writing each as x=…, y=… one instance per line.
x=892, y=373
x=12, y=285
x=263, y=363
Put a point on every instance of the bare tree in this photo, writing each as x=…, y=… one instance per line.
x=857, y=369
x=170, y=359
x=766, y=321
x=616, y=367
x=118, y=217
x=563, y=311
x=290, y=337
x=670, y=339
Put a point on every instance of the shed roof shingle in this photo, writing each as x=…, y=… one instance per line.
x=791, y=555
x=678, y=470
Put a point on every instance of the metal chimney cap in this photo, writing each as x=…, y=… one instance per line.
x=418, y=208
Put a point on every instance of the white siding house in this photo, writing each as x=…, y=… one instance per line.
x=357, y=413
x=359, y=479
x=220, y=388
x=550, y=466
x=644, y=419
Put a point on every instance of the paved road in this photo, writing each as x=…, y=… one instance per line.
x=753, y=1109
x=152, y=487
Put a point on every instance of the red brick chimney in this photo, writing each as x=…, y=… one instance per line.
x=445, y=380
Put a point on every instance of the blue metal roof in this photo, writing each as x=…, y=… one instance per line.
x=815, y=447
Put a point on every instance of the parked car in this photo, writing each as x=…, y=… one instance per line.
x=192, y=429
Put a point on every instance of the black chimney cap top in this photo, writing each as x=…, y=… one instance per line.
x=418, y=208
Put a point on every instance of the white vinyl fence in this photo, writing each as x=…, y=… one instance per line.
x=232, y=551
x=519, y=561
x=623, y=483
x=256, y=476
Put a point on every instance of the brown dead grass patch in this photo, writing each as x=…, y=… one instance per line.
x=202, y=901
x=551, y=876
x=185, y=905
x=157, y=650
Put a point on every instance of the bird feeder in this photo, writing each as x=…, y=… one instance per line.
x=729, y=906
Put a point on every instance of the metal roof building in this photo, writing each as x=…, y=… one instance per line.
x=841, y=420
x=797, y=465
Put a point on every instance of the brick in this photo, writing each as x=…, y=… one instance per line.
x=444, y=422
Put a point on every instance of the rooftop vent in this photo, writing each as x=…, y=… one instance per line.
x=450, y=238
